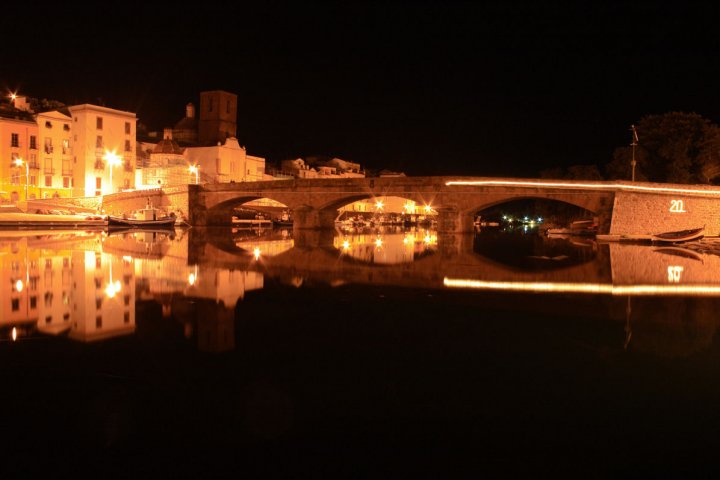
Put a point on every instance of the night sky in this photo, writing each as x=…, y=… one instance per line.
x=479, y=88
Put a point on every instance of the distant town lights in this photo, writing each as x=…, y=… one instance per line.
x=19, y=286
x=379, y=205
x=256, y=253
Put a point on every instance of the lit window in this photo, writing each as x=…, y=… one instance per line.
x=99, y=123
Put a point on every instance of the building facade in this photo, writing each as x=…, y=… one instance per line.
x=103, y=150
x=18, y=141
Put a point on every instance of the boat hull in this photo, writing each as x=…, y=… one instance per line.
x=119, y=222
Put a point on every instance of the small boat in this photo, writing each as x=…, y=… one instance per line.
x=679, y=236
x=147, y=218
x=666, y=237
x=284, y=221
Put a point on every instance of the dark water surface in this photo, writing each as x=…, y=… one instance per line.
x=364, y=354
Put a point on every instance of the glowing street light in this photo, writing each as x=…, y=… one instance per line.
x=379, y=205
x=19, y=162
x=195, y=169
x=256, y=253
x=113, y=160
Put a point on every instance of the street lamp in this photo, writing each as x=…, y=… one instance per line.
x=195, y=169
x=19, y=162
x=113, y=161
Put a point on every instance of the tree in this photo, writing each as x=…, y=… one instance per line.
x=673, y=147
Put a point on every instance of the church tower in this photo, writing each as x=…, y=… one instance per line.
x=217, y=117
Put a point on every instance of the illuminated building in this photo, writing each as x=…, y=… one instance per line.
x=95, y=132
x=51, y=173
x=18, y=140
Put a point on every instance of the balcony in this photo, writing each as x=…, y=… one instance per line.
x=67, y=172
x=48, y=149
x=48, y=171
x=34, y=166
x=99, y=165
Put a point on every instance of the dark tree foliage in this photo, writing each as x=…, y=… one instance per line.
x=673, y=147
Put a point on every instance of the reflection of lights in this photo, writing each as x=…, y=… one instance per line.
x=595, y=186
x=19, y=286
x=14, y=334
x=378, y=242
x=539, y=219
x=256, y=253
x=428, y=209
x=597, y=288
x=405, y=240
x=13, y=96
x=427, y=239
x=127, y=258
x=379, y=205
x=346, y=245
x=193, y=276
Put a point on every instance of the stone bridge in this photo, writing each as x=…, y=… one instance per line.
x=621, y=207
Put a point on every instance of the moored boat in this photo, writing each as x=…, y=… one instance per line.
x=679, y=236
x=147, y=218
x=283, y=221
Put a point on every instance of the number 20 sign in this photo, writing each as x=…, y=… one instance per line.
x=677, y=206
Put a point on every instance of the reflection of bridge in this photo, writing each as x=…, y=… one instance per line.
x=315, y=259
x=622, y=207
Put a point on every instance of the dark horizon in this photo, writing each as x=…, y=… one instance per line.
x=498, y=89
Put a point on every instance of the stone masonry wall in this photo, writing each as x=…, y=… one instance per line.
x=648, y=213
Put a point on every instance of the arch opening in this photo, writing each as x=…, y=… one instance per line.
x=536, y=234
x=386, y=211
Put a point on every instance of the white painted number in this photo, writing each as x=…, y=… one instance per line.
x=677, y=206
x=674, y=274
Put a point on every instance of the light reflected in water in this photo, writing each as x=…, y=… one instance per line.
x=377, y=247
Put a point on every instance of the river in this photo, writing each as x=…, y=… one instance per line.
x=356, y=354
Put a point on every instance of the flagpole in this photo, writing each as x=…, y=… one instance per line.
x=634, y=144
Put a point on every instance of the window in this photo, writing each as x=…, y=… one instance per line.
x=33, y=142
x=48, y=166
x=66, y=146
x=48, y=124
x=98, y=262
x=48, y=145
x=126, y=317
x=48, y=299
x=66, y=167
x=98, y=142
x=98, y=183
x=48, y=180
x=98, y=303
x=33, y=303
x=66, y=182
x=126, y=184
x=14, y=140
x=33, y=180
x=15, y=302
x=210, y=105
x=127, y=128
x=48, y=319
x=66, y=127
x=126, y=299
x=98, y=321
x=15, y=179
x=127, y=146
x=98, y=123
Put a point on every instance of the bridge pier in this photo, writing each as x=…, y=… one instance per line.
x=312, y=218
x=452, y=220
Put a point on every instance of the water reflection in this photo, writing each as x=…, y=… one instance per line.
x=385, y=245
x=90, y=286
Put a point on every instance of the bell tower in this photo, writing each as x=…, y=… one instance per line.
x=217, y=117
